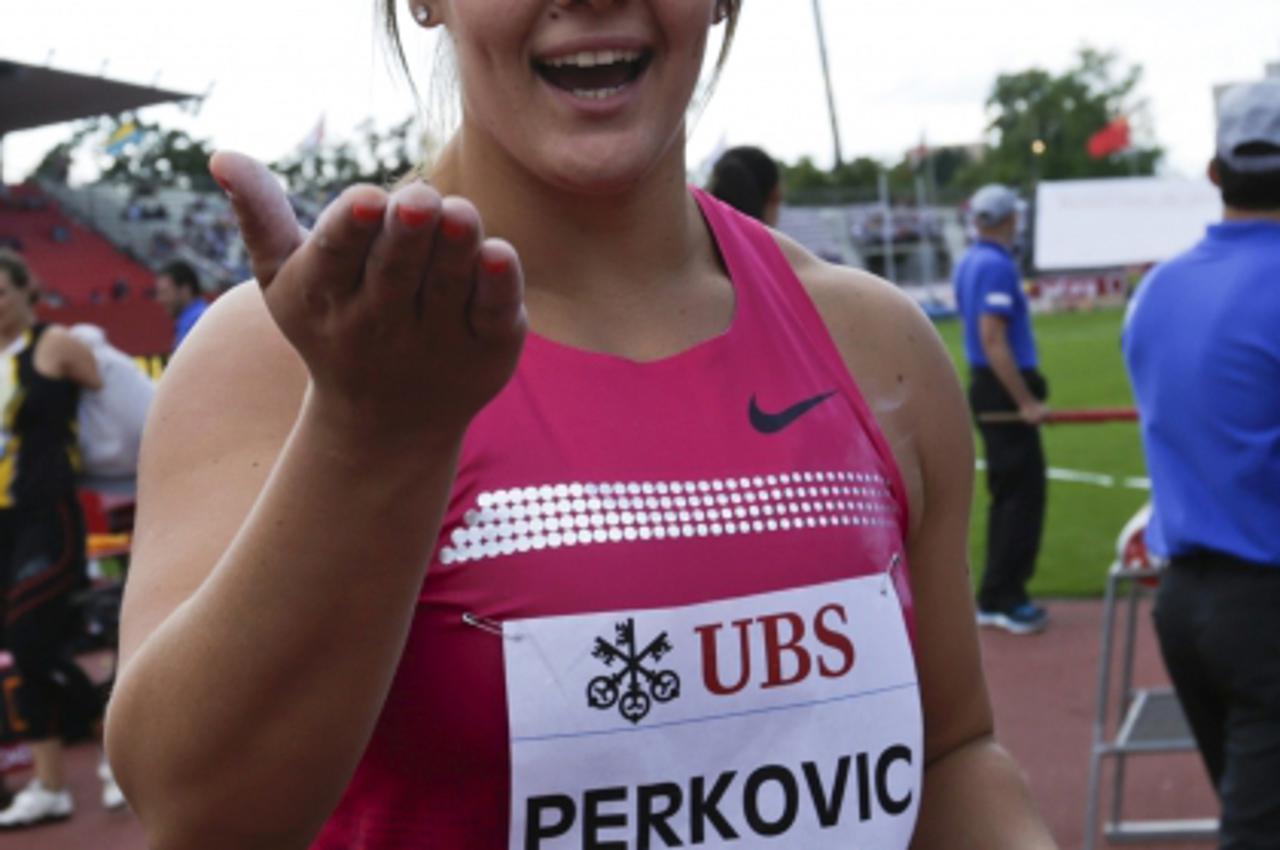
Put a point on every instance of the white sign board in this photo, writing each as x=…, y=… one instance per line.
x=1089, y=224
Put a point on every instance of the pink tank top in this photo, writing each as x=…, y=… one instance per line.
x=657, y=604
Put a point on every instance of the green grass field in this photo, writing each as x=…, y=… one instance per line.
x=1080, y=356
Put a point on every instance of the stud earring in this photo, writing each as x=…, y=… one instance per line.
x=422, y=14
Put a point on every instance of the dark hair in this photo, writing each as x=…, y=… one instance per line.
x=12, y=264
x=745, y=178
x=183, y=275
x=1257, y=191
x=391, y=31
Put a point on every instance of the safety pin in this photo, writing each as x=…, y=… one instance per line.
x=484, y=624
x=888, y=573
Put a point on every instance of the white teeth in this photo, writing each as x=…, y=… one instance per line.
x=590, y=59
x=597, y=94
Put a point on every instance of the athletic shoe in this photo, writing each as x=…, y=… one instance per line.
x=112, y=796
x=1024, y=619
x=35, y=805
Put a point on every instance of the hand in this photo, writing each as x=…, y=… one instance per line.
x=406, y=316
x=1033, y=412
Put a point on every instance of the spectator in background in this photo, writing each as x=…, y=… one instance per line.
x=111, y=418
x=1202, y=345
x=1004, y=380
x=747, y=179
x=178, y=291
x=43, y=370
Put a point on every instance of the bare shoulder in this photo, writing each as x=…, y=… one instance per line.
x=856, y=304
x=221, y=415
x=57, y=334
x=60, y=355
x=57, y=340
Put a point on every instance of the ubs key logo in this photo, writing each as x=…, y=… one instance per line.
x=626, y=688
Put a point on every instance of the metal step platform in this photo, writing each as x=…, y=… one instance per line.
x=1148, y=722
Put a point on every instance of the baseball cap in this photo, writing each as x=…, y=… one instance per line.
x=1249, y=114
x=992, y=204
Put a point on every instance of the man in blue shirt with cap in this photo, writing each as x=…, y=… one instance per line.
x=1202, y=345
x=1004, y=379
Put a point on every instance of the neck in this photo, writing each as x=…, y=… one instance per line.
x=1237, y=214
x=575, y=244
x=12, y=329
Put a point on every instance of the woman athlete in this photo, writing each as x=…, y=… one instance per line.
x=553, y=504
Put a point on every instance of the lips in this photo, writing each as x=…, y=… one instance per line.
x=593, y=74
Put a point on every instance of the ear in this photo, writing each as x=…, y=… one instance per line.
x=1212, y=171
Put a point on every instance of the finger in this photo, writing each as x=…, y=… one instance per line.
x=267, y=224
x=496, y=312
x=398, y=260
x=453, y=256
x=332, y=259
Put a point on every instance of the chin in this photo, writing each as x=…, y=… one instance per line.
x=604, y=166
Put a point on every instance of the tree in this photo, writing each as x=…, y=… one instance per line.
x=378, y=157
x=152, y=156
x=854, y=181
x=1041, y=123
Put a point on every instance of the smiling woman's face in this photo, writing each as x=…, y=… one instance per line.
x=588, y=95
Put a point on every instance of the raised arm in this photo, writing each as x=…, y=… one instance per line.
x=974, y=794
x=296, y=466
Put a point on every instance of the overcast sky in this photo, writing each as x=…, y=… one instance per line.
x=902, y=69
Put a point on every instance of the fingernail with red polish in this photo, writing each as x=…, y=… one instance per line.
x=455, y=230
x=495, y=266
x=226, y=185
x=367, y=213
x=411, y=217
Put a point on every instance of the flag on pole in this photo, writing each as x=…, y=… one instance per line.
x=314, y=139
x=124, y=134
x=919, y=154
x=1111, y=139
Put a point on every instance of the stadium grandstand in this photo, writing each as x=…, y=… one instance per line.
x=85, y=274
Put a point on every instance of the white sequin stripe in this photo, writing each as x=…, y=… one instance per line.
x=550, y=516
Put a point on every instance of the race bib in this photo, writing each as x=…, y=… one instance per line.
x=788, y=719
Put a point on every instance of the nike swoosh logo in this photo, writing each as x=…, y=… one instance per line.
x=771, y=423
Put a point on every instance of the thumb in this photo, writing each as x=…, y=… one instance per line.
x=270, y=229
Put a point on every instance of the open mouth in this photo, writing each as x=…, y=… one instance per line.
x=594, y=74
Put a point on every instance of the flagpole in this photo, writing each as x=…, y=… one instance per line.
x=826, y=76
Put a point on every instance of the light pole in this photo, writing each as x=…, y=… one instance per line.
x=1038, y=149
x=826, y=76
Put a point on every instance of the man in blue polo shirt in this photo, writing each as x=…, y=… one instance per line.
x=1004, y=380
x=178, y=291
x=1202, y=345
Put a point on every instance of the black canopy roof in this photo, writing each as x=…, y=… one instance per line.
x=32, y=96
